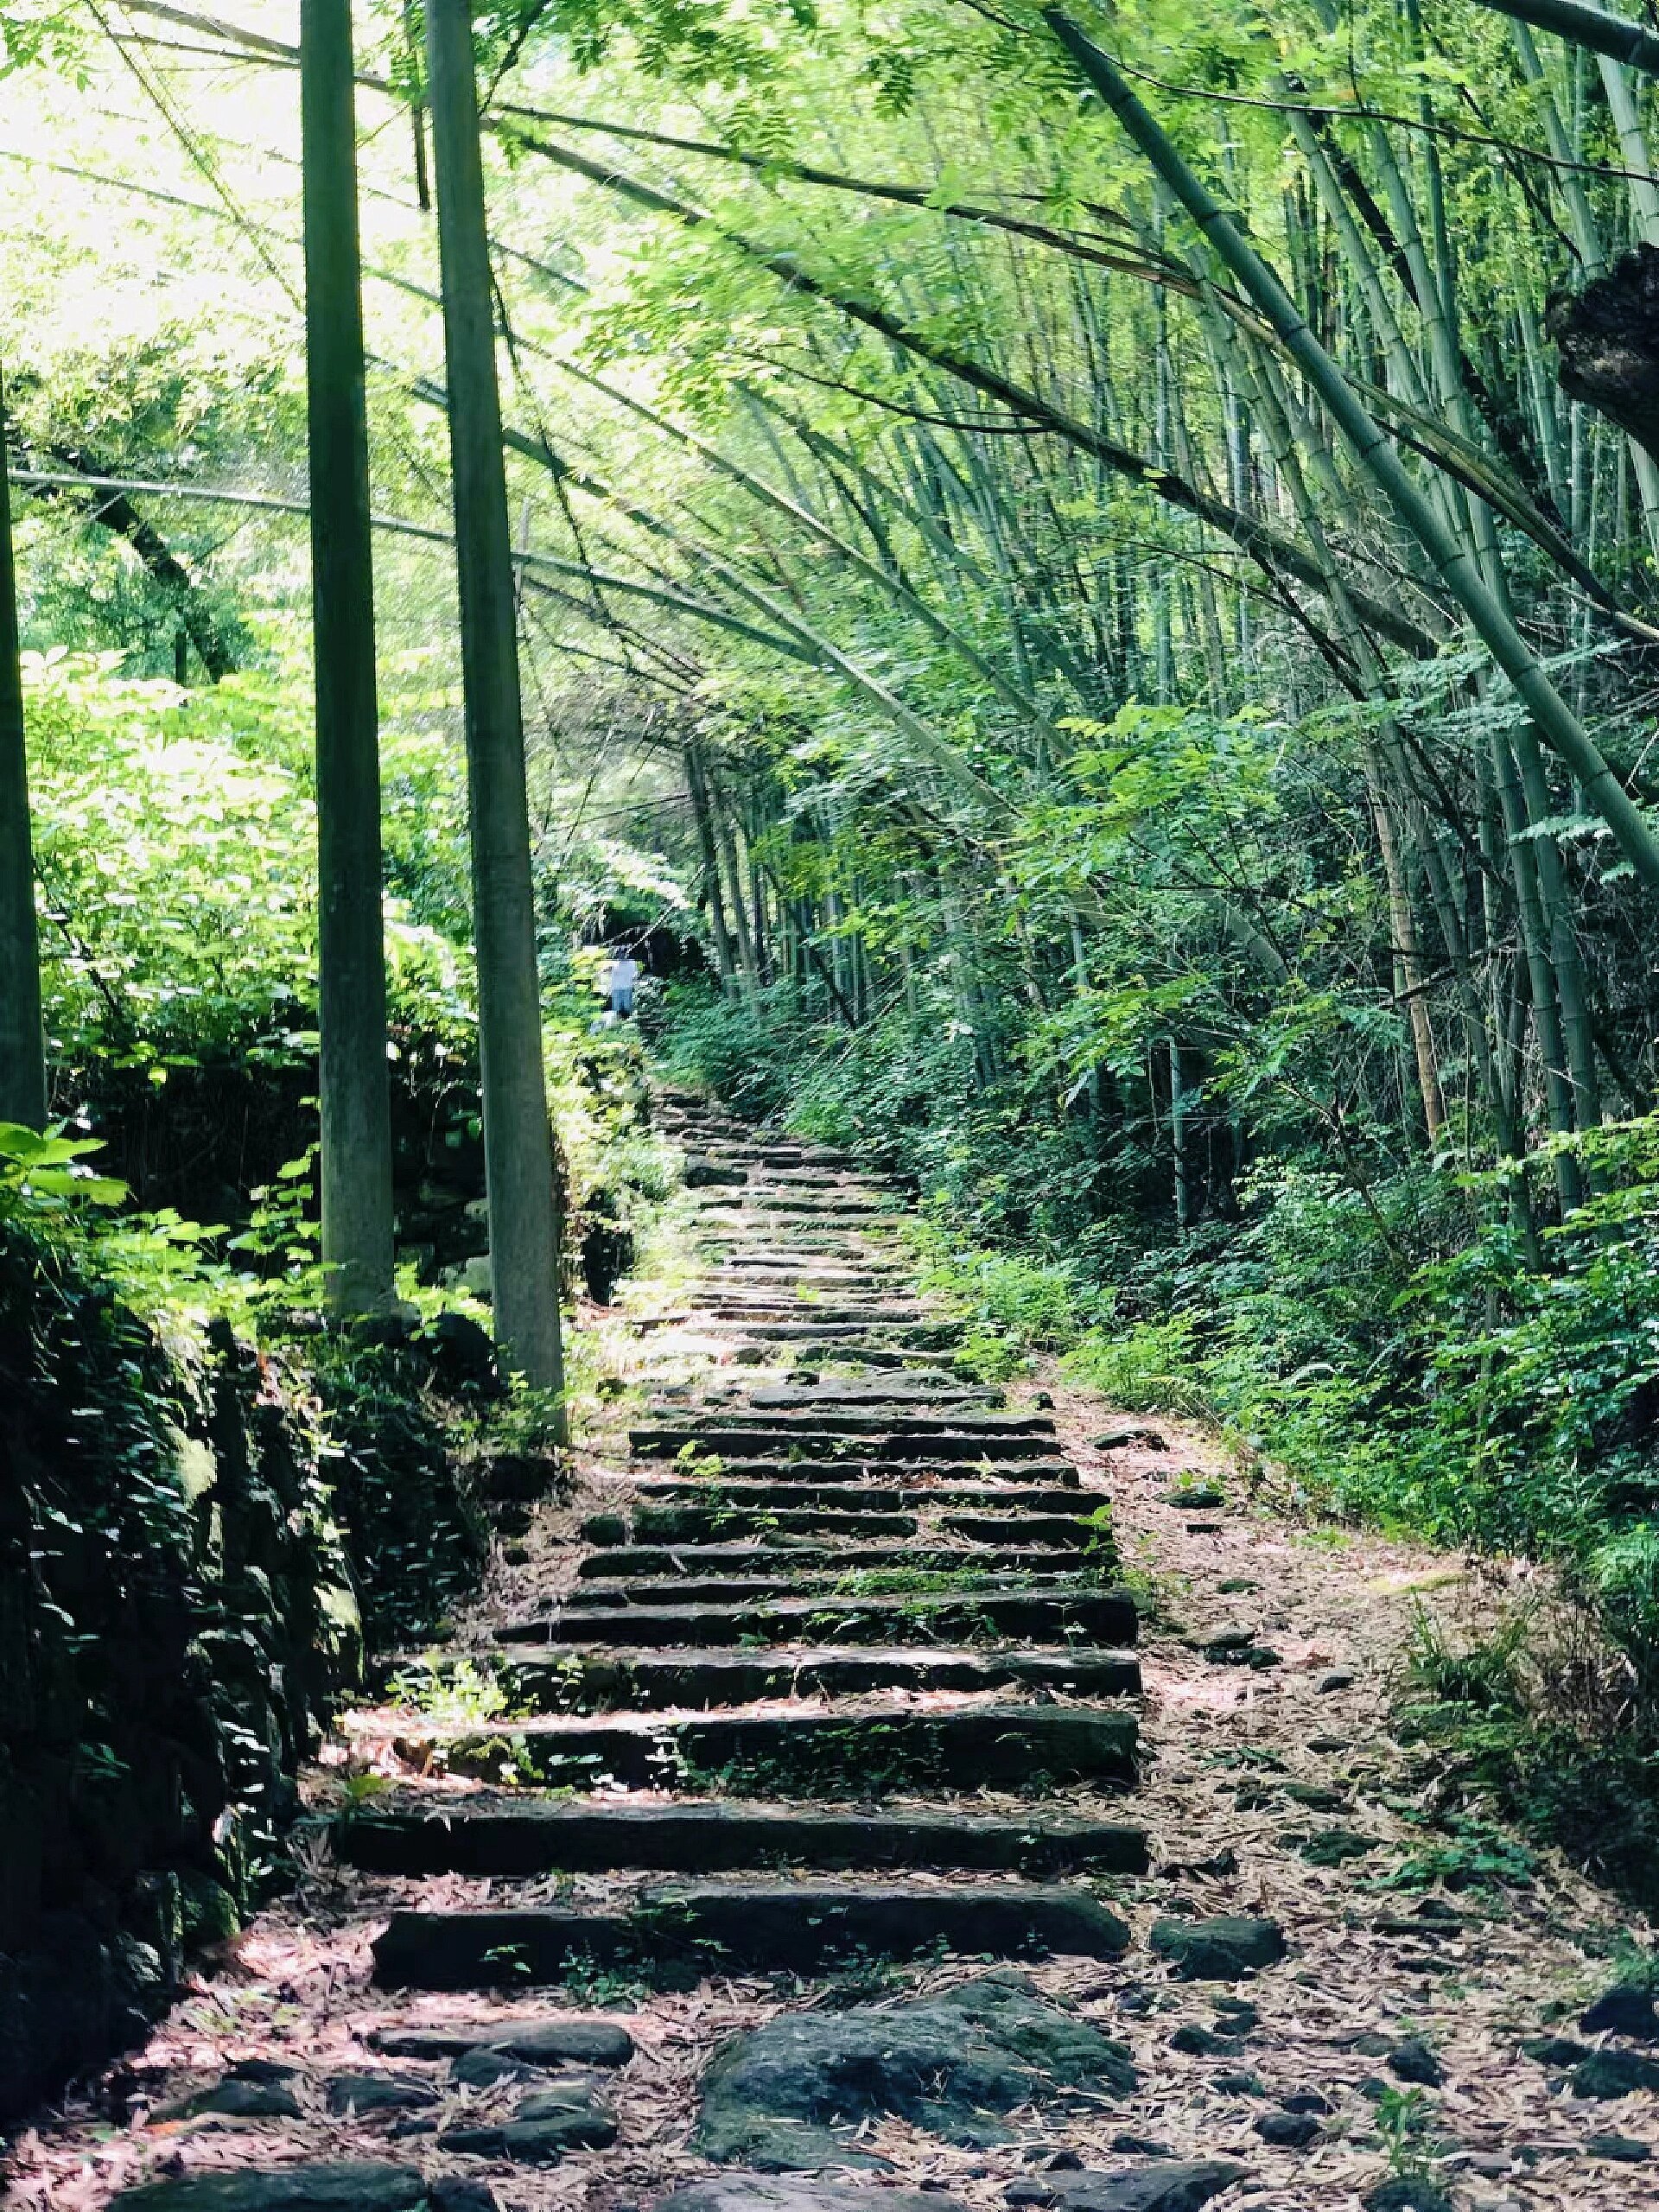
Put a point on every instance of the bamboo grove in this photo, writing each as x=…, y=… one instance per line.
x=1112, y=553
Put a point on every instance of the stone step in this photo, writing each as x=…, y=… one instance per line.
x=791, y=1267
x=1015, y=1474
x=1097, y=1617
x=905, y=1441
x=697, y=1928
x=897, y=1395
x=723, y=1521
x=625, y=1681
x=872, y=1497
x=876, y=1423
x=921, y=1336
x=824, y=1752
x=728, y=1553
x=756, y=1306
x=506, y=1837
x=728, y=1519
x=784, y=1575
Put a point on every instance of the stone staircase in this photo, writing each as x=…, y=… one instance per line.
x=825, y=1671
x=854, y=1620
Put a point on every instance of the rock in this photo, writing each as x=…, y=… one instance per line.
x=1335, y=1678
x=1027, y=2191
x=1371, y=2045
x=1609, y=2073
x=463, y=1358
x=1413, y=2061
x=358, y=2186
x=208, y=1909
x=764, y=2193
x=1306, y=2100
x=1287, y=2131
x=1228, y=1643
x=1622, y=2150
x=1198, y=2043
x=538, y=2043
x=545, y=2126
x=1236, y=1584
x=1201, y=1497
x=519, y=1478
x=1223, y=1949
x=453, y=2194
x=712, y=1174
x=1407, y=2193
x=1260, y=1656
x=1219, y=1864
x=1163, y=2188
x=364, y=2094
x=1331, y=1847
x=1127, y=1434
x=236, y=2100
x=951, y=2064
x=483, y=2067
x=1240, y=2083
x=1238, y=2015
x=1140, y=2147
x=1626, y=2009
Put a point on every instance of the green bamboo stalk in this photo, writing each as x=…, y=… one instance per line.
x=22, y=1044
x=353, y=1087
x=518, y=1161
x=1454, y=565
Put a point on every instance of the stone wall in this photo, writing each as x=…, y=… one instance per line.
x=176, y=1613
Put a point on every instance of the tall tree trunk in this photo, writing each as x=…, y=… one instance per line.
x=23, y=1050
x=517, y=1151
x=357, y=1210
x=697, y=782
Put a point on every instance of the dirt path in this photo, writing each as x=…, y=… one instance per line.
x=833, y=1641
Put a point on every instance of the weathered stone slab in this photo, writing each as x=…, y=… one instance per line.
x=356, y=2186
x=1174, y=2187
x=825, y=1751
x=787, y=2097
x=537, y=2043
x=1100, y=1616
x=1223, y=1949
x=779, y=2193
x=765, y=1927
x=519, y=1838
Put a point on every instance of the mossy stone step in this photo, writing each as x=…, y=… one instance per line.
x=696, y=1929
x=822, y=1753
x=759, y=1308
x=866, y=1497
x=355, y=2185
x=719, y=1520
x=589, y=1681
x=727, y=1522
x=688, y=1577
x=1094, y=1616
x=924, y=1336
x=809, y=1562
x=874, y=1442
x=511, y=1837
x=879, y=1421
x=859, y=1467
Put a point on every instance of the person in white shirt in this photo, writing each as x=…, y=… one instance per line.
x=623, y=975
